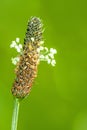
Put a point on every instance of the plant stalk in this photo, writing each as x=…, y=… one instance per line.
x=15, y=114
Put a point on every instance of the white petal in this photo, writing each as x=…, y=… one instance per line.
x=41, y=48
x=47, y=57
x=41, y=42
x=17, y=48
x=32, y=39
x=51, y=55
x=15, y=60
x=49, y=61
x=52, y=50
x=13, y=44
x=17, y=40
x=20, y=46
x=38, y=50
x=42, y=57
x=53, y=62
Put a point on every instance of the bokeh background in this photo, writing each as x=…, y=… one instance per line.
x=58, y=100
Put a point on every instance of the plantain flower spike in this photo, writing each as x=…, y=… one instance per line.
x=27, y=62
x=31, y=53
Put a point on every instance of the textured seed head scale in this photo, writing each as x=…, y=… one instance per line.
x=26, y=69
x=34, y=30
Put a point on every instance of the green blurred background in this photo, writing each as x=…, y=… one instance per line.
x=58, y=100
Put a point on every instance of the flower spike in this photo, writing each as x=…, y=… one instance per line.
x=32, y=52
x=26, y=69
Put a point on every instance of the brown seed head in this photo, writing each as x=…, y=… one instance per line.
x=26, y=69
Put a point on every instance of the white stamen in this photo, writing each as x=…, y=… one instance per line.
x=54, y=51
x=42, y=57
x=38, y=50
x=44, y=53
x=17, y=40
x=17, y=48
x=20, y=46
x=49, y=61
x=13, y=44
x=53, y=62
x=41, y=48
x=32, y=39
x=51, y=55
x=41, y=42
x=15, y=60
x=47, y=57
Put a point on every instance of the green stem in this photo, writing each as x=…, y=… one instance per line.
x=15, y=115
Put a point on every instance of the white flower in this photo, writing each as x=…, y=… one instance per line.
x=41, y=48
x=46, y=57
x=53, y=62
x=17, y=46
x=42, y=57
x=51, y=55
x=32, y=39
x=20, y=46
x=41, y=42
x=49, y=61
x=53, y=51
x=45, y=54
x=38, y=50
x=17, y=40
x=15, y=60
x=13, y=44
